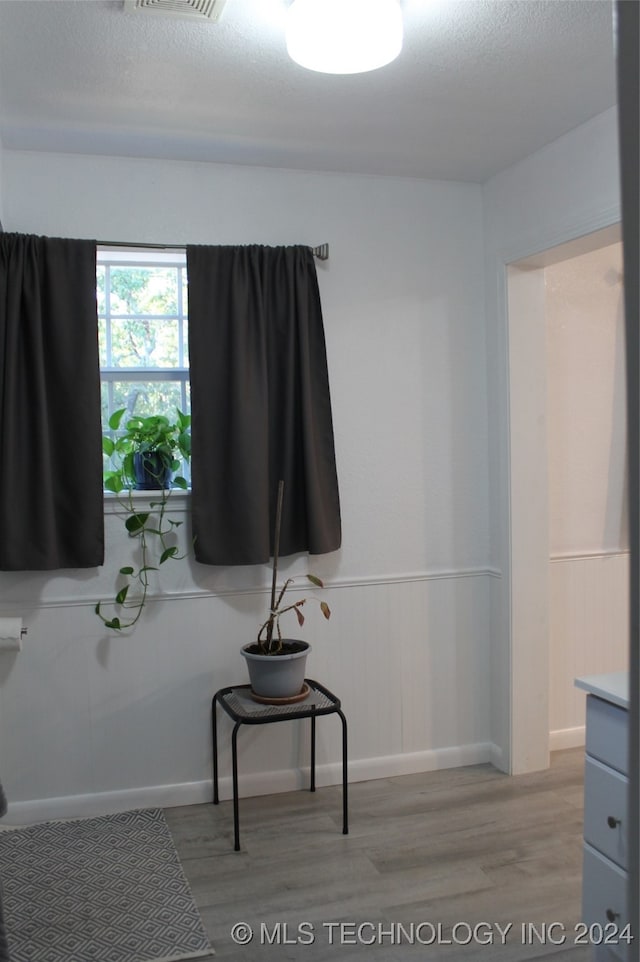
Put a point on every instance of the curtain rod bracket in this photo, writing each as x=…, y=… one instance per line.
x=321, y=252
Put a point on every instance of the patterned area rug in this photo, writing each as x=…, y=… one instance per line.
x=107, y=889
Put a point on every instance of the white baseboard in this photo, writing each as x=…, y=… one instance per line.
x=364, y=769
x=85, y=806
x=567, y=738
x=498, y=759
x=260, y=783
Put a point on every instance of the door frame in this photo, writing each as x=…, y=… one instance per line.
x=526, y=509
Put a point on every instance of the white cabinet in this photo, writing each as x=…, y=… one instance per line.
x=604, y=879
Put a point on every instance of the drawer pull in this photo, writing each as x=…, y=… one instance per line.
x=611, y=915
x=613, y=822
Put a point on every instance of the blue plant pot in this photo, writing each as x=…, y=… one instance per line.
x=151, y=472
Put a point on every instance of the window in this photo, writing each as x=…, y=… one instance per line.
x=142, y=325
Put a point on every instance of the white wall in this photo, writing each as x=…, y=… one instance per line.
x=565, y=190
x=87, y=714
x=587, y=404
x=588, y=516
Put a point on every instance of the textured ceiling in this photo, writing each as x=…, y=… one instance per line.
x=479, y=85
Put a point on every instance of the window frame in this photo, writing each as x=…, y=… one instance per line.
x=108, y=257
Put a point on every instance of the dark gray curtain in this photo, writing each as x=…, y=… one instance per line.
x=260, y=405
x=51, y=503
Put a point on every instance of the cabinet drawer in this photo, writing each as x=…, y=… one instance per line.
x=605, y=811
x=607, y=733
x=604, y=900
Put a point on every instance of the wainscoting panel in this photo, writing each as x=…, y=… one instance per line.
x=91, y=720
x=589, y=633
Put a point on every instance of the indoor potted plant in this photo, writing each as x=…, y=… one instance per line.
x=276, y=665
x=145, y=456
x=146, y=452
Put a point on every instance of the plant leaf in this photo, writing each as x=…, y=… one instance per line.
x=180, y=483
x=116, y=418
x=122, y=595
x=114, y=623
x=127, y=466
x=299, y=615
x=184, y=420
x=168, y=553
x=324, y=608
x=184, y=445
x=315, y=581
x=136, y=522
x=108, y=446
x=113, y=482
x=126, y=571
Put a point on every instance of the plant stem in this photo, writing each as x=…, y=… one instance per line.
x=276, y=552
x=276, y=544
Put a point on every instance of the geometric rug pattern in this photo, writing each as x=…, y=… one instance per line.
x=105, y=889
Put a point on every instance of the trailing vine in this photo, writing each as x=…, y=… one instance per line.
x=147, y=449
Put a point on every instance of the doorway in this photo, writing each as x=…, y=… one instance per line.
x=545, y=576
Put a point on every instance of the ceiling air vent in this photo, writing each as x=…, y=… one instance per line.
x=210, y=10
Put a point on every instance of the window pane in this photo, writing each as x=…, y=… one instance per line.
x=100, y=272
x=142, y=326
x=144, y=290
x=140, y=342
x=185, y=312
x=144, y=398
x=102, y=341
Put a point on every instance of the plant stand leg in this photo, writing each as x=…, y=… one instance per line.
x=312, y=786
x=236, y=812
x=345, y=804
x=214, y=735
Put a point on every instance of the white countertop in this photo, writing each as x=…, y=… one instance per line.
x=613, y=688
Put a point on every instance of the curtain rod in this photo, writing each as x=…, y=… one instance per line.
x=321, y=252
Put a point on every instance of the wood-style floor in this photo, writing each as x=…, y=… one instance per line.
x=432, y=861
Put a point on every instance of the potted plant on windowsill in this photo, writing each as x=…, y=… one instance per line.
x=145, y=453
x=276, y=665
x=145, y=456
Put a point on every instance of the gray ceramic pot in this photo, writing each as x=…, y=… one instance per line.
x=278, y=676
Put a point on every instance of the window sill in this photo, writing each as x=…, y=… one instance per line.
x=113, y=503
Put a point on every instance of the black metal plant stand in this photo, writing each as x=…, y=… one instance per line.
x=235, y=701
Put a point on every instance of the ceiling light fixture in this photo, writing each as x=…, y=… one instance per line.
x=344, y=36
